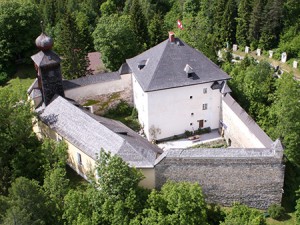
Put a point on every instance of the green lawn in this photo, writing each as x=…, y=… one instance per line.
x=23, y=78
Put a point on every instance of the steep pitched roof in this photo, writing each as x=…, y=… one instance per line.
x=163, y=67
x=91, y=133
x=45, y=58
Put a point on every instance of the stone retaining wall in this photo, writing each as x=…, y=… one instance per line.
x=254, y=181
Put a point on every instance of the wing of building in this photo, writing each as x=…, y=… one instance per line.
x=175, y=89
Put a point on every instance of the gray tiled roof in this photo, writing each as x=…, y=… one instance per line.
x=91, y=79
x=248, y=121
x=90, y=133
x=165, y=65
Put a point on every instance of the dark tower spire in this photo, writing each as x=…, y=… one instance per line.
x=47, y=64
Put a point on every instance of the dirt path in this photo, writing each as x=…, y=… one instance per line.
x=284, y=66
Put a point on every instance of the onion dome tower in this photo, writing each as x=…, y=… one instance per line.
x=47, y=65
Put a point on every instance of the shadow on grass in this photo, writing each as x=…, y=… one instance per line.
x=285, y=217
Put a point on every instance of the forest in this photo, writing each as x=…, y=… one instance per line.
x=34, y=186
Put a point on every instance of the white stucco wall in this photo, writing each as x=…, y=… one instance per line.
x=140, y=100
x=241, y=129
x=175, y=110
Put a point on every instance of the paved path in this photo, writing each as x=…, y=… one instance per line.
x=185, y=143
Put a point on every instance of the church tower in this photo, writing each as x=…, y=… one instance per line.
x=47, y=65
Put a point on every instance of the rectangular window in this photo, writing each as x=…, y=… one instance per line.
x=204, y=106
x=79, y=161
x=204, y=90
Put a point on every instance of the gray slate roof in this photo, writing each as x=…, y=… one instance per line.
x=91, y=79
x=45, y=58
x=248, y=121
x=165, y=65
x=90, y=133
x=275, y=151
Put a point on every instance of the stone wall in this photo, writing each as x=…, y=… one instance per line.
x=250, y=176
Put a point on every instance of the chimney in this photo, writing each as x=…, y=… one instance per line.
x=171, y=37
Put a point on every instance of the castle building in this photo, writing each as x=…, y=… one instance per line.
x=174, y=88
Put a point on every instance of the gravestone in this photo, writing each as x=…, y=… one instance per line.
x=247, y=49
x=258, y=52
x=234, y=48
x=270, y=54
x=219, y=54
x=283, y=57
x=295, y=64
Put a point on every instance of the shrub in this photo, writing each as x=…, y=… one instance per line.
x=276, y=211
x=188, y=133
x=3, y=78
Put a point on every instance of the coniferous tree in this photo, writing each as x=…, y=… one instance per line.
x=272, y=24
x=256, y=22
x=218, y=23
x=156, y=30
x=228, y=27
x=139, y=24
x=242, y=29
x=72, y=48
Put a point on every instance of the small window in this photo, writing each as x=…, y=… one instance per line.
x=204, y=90
x=191, y=124
x=204, y=106
x=79, y=161
x=192, y=114
x=191, y=97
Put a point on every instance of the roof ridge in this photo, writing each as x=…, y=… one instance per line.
x=157, y=65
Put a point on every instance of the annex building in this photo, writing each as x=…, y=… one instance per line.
x=174, y=88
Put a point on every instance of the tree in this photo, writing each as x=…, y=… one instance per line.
x=228, y=24
x=27, y=199
x=272, y=24
x=115, y=176
x=20, y=152
x=54, y=154
x=114, y=37
x=219, y=9
x=71, y=46
x=256, y=22
x=176, y=203
x=241, y=214
x=15, y=19
x=258, y=86
x=156, y=30
x=242, y=29
x=285, y=116
x=139, y=24
x=56, y=188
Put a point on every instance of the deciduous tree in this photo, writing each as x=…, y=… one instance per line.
x=114, y=37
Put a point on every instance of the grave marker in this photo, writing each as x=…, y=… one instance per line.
x=234, y=48
x=283, y=57
x=258, y=52
x=295, y=64
x=270, y=54
x=247, y=49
